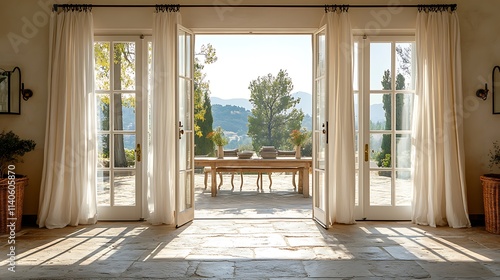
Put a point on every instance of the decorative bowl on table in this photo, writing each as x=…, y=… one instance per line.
x=268, y=152
x=245, y=154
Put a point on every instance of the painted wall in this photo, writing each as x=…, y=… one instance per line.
x=24, y=43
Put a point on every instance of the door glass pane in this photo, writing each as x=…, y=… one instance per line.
x=403, y=150
x=356, y=189
x=404, y=111
x=182, y=199
x=103, y=151
x=356, y=112
x=189, y=151
x=124, y=150
x=380, y=66
x=320, y=150
x=355, y=78
x=320, y=104
x=321, y=54
x=188, y=196
x=102, y=70
x=102, y=104
x=124, y=66
x=404, y=188
x=404, y=66
x=124, y=188
x=188, y=55
x=103, y=188
x=124, y=106
x=182, y=54
x=320, y=199
x=380, y=111
x=380, y=188
x=380, y=145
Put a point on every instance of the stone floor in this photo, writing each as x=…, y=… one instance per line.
x=249, y=235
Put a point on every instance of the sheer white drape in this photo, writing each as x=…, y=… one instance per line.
x=68, y=189
x=162, y=167
x=438, y=170
x=341, y=118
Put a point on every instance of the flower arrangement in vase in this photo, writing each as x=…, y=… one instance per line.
x=220, y=140
x=298, y=138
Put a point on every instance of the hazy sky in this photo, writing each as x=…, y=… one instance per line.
x=243, y=58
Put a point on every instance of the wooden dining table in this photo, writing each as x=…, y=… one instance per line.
x=259, y=165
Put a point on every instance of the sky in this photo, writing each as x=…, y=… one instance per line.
x=243, y=58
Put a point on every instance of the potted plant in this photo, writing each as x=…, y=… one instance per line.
x=298, y=138
x=491, y=192
x=219, y=139
x=12, y=185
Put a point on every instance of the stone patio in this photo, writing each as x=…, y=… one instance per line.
x=251, y=235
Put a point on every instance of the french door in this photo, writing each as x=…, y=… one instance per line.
x=320, y=128
x=184, y=192
x=118, y=92
x=384, y=90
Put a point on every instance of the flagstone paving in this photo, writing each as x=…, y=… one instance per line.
x=253, y=235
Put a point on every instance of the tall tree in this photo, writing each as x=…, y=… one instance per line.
x=274, y=114
x=203, y=119
x=382, y=159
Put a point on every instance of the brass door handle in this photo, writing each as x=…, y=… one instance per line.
x=138, y=152
x=366, y=152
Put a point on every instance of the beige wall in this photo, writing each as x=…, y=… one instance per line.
x=480, y=46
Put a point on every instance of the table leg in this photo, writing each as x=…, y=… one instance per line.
x=300, y=189
x=213, y=175
x=305, y=181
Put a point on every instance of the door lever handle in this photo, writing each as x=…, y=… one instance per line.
x=366, y=152
x=138, y=153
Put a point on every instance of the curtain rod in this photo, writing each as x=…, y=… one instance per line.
x=451, y=6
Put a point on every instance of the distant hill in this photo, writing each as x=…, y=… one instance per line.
x=231, y=118
x=305, y=102
x=240, y=102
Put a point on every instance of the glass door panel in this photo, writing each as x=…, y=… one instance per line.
x=320, y=130
x=185, y=108
x=386, y=99
x=118, y=76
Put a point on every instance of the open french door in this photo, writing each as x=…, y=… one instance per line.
x=184, y=190
x=320, y=129
x=118, y=82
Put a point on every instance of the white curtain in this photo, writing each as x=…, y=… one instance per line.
x=438, y=170
x=68, y=194
x=162, y=167
x=341, y=118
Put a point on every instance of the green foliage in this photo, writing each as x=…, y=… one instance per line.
x=203, y=119
x=203, y=145
x=12, y=148
x=381, y=156
x=307, y=149
x=274, y=113
x=130, y=155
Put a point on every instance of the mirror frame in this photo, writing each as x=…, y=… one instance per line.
x=10, y=95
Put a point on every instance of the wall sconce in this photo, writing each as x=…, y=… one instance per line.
x=11, y=91
x=483, y=93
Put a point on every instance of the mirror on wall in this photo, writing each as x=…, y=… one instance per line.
x=11, y=91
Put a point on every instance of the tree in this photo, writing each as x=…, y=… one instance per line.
x=383, y=158
x=123, y=57
x=203, y=119
x=274, y=114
